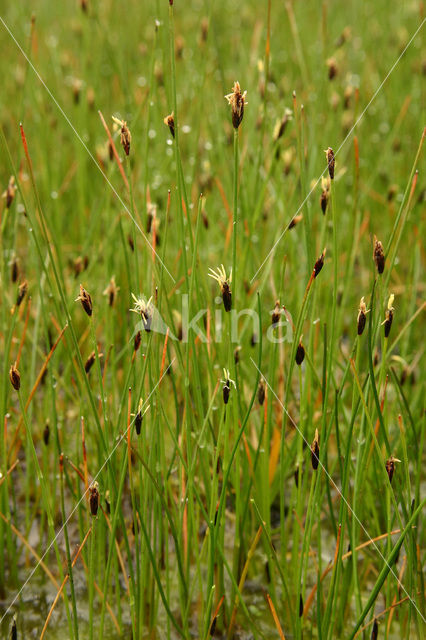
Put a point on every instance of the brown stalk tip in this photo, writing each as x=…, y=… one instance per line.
x=169, y=121
x=296, y=476
x=15, y=377
x=94, y=498
x=325, y=194
x=330, y=162
x=137, y=341
x=213, y=626
x=390, y=467
x=261, y=392
x=89, y=362
x=46, y=434
x=86, y=300
x=375, y=630
x=22, y=290
x=295, y=220
x=224, y=283
x=125, y=135
x=227, y=382
x=111, y=291
x=389, y=316
x=13, y=629
x=300, y=606
x=319, y=263
x=332, y=68
x=14, y=269
x=362, y=316
x=9, y=193
x=315, y=451
x=379, y=255
x=276, y=313
x=237, y=354
x=237, y=100
x=300, y=353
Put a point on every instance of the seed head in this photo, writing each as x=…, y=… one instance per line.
x=389, y=316
x=300, y=353
x=139, y=416
x=137, y=341
x=94, y=498
x=14, y=269
x=390, y=467
x=276, y=313
x=362, y=316
x=145, y=309
x=374, y=630
x=169, y=121
x=15, y=377
x=22, y=290
x=111, y=291
x=379, y=255
x=13, y=630
x=315, y=451
x=332, y=68
x=227, y=383
x=325, y=194
x=237, y=100
x=86, y=300
x=295, y=220
x=89, y=362
x=319, y=264
x=9, y=193
x=330, y=162
x=46, y=434
x=281, y=125
x=224, y=283
x=125, y=136
x=261, y=392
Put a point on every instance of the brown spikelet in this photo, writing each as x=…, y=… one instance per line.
x=237, y=100
x=9, y=193
x=22, y=290
x=94, y=498
x=300, y=606
x=295, y=220
x=300, y=354
x=362, y=316
x=315, y=451
x=375, y=630
x=14, y=269
x=379, y=255
x=332, y=68
x=261, y=392
x=15, y=377
x=276, y=313
x=224, y=283
x=213, y=626
x=169, y=121
x=137, y=341
x=86, y=300
x=89, y=362
x=296, y=476
x=13, y=629
x=46, y=434
x=125, y=135
x=390, y=467
x=111, y=291
x=330, y=162
x=319, y=264
x=389, y=316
